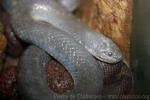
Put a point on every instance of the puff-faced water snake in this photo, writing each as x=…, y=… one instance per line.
x=54, y=13
x=34, y=86
x=39, y=27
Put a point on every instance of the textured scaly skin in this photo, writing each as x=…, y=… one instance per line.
x=62, y=47
x=33, y=84
x=76, y=38
x=54, y=13
x=96, y=43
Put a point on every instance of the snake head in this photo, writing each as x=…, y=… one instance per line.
x=103, y=48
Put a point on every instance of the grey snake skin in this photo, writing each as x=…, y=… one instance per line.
x=53, y=13
x=50, y=26
x=33, y=84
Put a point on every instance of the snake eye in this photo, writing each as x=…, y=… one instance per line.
x=110, y=54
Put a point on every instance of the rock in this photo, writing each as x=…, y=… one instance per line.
x=8, y=88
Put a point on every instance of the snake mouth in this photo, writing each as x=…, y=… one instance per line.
x=111, y=60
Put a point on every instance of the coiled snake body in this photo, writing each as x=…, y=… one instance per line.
x=52, y=12
x=50, y=26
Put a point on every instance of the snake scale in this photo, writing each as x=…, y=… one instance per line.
x=50, y=26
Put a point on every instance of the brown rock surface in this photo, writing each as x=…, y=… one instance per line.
x=59, y=80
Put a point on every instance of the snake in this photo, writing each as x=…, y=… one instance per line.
x=54, y=13
x=51, y=27
x=32, y=83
